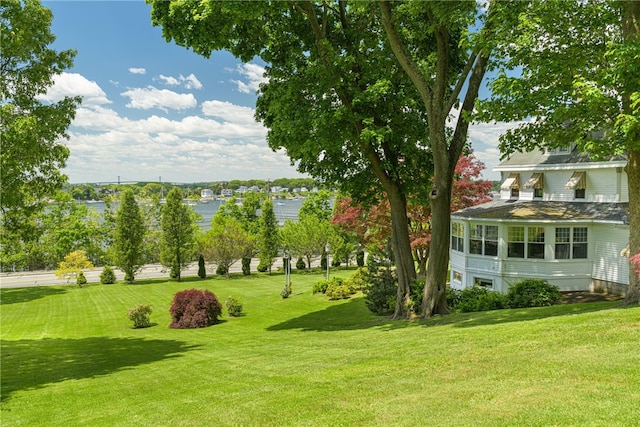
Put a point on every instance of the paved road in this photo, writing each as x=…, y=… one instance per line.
x=150, y=271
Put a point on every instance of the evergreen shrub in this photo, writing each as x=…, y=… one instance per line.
x=533, y=293
x=193, y=308
x=234, y=306
x=381, y=292
x=300, y=264
x=202, y=271
x=360, y=258
x=336, y=290
x=108, y=276
x=246, y=266
x=263, y=267
x=477, y=298
x=221, y=270
x=140, y=316
x=81, y=279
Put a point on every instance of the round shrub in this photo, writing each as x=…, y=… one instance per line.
x=358, y=280
x=107, y=277
x=234, y=306
x=320, y=287
x=140, y=316
x=193, y=308
x=532, y=293
x=381, y=293
x=221, y=270
x=335, y=291
x=300, y=264
x=263, y=267
x=477, y=298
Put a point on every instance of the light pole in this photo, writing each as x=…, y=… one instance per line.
x=287, y=271
x=326, y=249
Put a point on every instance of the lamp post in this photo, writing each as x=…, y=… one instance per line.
x=326, y=250
x=287, y=270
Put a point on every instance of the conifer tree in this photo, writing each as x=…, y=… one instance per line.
x=269, y=241
x=178, y=234
x=128, y=244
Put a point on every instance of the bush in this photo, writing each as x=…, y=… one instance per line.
x=477, y=298
x=300, y=264
x=335, y=262
x=286, y=291
x=193, y=308
x=320, y=287
x=202, y=271
x=107, y=277
x=263, y=267
x=234, y=306
x=358, y=280
x=140, y=316
x=246, y=266
x=336, y=291
x=453, y=298
x=532, y=293
x=360, y=259
x=221, y=270
x=381, y=293
x=81, y=280
x=323, y=261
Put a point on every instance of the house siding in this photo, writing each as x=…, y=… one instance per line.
x=610, y=268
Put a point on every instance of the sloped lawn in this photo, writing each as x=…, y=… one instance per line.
x=70, y=357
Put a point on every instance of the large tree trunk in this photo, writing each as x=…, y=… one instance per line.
x=633, y=176
x=631, y=31
x=401, y=246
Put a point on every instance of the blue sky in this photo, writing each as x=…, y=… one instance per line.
x=152, y=109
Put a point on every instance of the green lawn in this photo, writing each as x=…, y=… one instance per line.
x=70, y=357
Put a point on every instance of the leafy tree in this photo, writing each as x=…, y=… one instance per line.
x=129, y=237
x=72, y=266
x=578, y=77
x=226, y=242
x=178, y=234
x=32, y=131
x=317, y=204
x=306, y=237
x=269, y=237
x=336, y=100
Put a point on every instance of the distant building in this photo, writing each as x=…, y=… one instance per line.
x=226, y=192
x=206, y=194
x=561, y=216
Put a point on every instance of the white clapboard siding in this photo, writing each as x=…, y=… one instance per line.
x=608, y=262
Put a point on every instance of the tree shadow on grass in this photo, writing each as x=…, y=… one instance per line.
x=29, y=364
x=495, y=317
x=19, y=295
x=339, y=316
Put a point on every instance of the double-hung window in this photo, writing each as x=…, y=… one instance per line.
x=525, y=242
x=483, y=240
x=457, y=236
x=571, y=243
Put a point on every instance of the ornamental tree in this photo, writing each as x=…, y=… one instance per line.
x=179, y=229
x=128, y=244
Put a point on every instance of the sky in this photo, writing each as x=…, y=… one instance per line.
x=154, y=111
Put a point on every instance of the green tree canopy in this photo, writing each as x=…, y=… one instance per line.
x=32, y=130
x=179, y=230
x=128, y=244
x=226, y=242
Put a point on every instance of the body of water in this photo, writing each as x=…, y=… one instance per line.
x=284, y=210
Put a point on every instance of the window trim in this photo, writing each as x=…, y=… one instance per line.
x=525, y=243
x=571, y=243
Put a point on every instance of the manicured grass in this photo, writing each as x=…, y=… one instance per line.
x=70, y=357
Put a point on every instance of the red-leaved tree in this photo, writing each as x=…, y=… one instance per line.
x=372, y=225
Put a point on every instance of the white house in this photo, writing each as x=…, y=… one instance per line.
x=561, y=216
x=206, y=194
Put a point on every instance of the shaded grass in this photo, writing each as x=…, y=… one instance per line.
x=70, y=357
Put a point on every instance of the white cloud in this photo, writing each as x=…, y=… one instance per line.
x=485, y=138
x=163, y=99
x=228, y=112
x=189, y=82
x=253, y=74
x=137, y=70
x=74, y=84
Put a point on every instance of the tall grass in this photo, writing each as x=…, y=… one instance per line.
x=70, y=357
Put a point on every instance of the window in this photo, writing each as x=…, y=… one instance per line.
x=571, y=243
x=577, y=183
x=525, y=242
x=485, y=283
x=457, y=276
x=512, y=183
x=457, y=236
x=483, y=240
x=536, y=183
x=535, y=245
x=515, y=242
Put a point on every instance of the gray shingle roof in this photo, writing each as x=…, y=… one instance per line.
x=539, y=158
x=544, y=211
